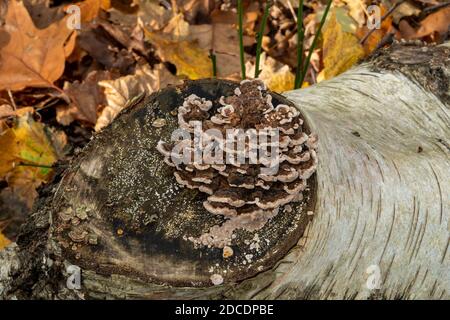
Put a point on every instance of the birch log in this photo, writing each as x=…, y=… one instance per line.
x=381, y=223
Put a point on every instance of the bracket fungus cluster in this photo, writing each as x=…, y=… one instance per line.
x=251, y=191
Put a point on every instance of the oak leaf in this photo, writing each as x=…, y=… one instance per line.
x=31, y=57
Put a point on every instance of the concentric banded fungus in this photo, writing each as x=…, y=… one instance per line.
x=248, y=193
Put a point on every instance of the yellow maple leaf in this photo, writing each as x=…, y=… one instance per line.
x=4, y=241
x=27, y=155
x=190, y=60
x=341, y=49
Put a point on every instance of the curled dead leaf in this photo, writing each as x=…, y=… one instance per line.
x=119, y=91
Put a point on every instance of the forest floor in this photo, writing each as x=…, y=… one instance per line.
x=67, y=68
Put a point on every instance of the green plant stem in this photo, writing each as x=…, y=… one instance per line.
x=36, y=165
x=300, y=38
x=316, y=37
x=260, y=37
x=213, y=58
x=241, y=37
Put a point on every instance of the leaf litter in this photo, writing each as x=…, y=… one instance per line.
x=58, y=86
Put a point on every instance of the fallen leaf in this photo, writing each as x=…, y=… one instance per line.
x=152, y=14
x=99, y=45
x=120, y=91
x=31, y=57
x=177, y=27
x=357, y=10
x=224, y=39
x=377, y=35
x=6, y=110
x=28, y=152
x=41, y=13
x=90, y=9
x=190, y=60
x=341, y=49
x=274, y=74
x=405, y=9
x=197, y=10
x=3, y=241
x=86, y=97
x=437, y=22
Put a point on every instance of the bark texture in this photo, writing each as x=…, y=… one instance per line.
x=382, y=199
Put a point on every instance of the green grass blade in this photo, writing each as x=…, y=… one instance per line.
x=313, y=46
x=300, y=38
x=260, y=37
x=241, y=38
x=213, y=58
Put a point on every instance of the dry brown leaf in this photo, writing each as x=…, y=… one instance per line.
x=153, y=16
x=99, y=45
x=195, y=10
x=6, y=110
x=436, y=22
x=42, y=14
x=341, y=49
x=275, y=75
x=31, y=57
x=120, y=91
x=224, y=39
x=177, y=27
x=86, y=97
x=377, y=35
x=90, y=9
x=405, y=9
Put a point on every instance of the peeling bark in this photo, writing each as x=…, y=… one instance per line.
x=382, y=201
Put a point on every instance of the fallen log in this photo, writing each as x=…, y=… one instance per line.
x=375, y=222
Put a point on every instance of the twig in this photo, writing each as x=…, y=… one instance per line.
x=241, y=38
x=387, y=14
x=260, y=37
x=428, y=10
x=316, y=37
x=292, y=10
x=12, y=100
x=300, y=38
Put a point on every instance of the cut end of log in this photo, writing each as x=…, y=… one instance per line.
x=119, y=209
